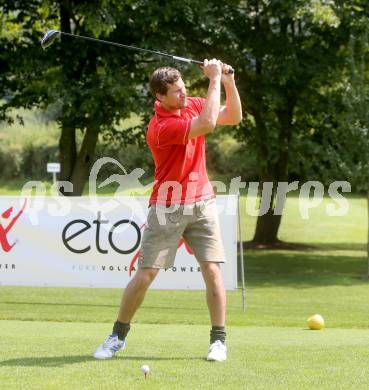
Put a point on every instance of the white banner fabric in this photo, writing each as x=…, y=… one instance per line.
x=94, y=242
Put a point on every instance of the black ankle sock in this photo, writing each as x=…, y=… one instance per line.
x=121, y=329
x=217, y=333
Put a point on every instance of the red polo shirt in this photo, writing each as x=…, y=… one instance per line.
x=180, y=164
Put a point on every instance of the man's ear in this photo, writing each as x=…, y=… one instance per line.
x=158, y=97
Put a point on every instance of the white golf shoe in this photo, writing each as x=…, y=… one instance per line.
x=109, y=347
x=217, y=352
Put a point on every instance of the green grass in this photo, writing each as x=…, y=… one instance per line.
x=269, y=346
x=49, y=334
x=319, y=228
x=14, y=188
x=58, y=356
x=283, y=289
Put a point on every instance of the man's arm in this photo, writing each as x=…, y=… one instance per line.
x=231, y=113
x=207, y=120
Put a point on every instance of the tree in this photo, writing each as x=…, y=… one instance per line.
x=287, y=55
x=89, y=87
x=347, y=143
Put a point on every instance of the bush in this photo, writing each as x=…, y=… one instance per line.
x=25, y=151
x=228, y=158
x=34, y=159
x=130, y=156
x=9, y=163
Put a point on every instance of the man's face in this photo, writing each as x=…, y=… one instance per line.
x=176, y=96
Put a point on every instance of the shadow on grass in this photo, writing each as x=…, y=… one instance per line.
x=342, y=246
x=145, y=306
x=54, y=304
x=296, y=246
x=60, y=361
x=329, y=265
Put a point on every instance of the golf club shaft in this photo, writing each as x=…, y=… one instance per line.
x=176, y=58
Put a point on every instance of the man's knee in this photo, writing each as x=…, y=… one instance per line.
x=145, y=276
x=210, y=269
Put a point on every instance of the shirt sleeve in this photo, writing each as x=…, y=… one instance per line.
x=173, y=131
x=198, y=104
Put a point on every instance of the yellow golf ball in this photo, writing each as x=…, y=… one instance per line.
x=315, y=322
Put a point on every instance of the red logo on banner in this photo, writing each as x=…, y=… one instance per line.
x=5, y=230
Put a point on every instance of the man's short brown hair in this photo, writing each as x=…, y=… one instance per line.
x=160, y=79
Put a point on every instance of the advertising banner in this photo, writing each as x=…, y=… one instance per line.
x=95, y=242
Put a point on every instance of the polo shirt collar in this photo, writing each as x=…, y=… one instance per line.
x=161, y=111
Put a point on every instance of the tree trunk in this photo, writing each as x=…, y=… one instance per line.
x=67, y=141
x=75, y=166
x=82, y=167
x=267, y=225
x=67, y=151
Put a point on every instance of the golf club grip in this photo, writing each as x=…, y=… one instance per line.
x=231, y=70
x=188, y=60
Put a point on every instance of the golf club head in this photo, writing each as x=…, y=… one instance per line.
x=49, y=38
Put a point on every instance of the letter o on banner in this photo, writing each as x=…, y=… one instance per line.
x=137, y=243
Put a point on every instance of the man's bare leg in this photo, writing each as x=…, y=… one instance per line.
x=215, y=292
x=216, y=299
x=135, y=292
x=131, y=300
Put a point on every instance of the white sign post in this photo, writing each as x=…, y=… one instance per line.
x=53, y=168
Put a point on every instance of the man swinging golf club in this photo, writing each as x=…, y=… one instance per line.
x=182, y=203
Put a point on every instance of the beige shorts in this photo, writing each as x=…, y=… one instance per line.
x=196, y=223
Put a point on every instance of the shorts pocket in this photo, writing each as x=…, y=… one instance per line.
x=176, y=216
x=205, y=208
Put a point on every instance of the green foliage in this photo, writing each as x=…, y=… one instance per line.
x=26, y=148
x=349, y=140
x=228, y=158
x=301, y=68
x=29, y=162
x=87, y=87
x=291, y=69
x=130, y=156
x=339, y=141
x=292, y=72
x=72, y=77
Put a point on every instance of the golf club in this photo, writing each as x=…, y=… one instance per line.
x=51, y=35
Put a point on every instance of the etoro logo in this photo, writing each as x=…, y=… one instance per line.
x=84, y=225
x=4, y=242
